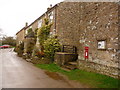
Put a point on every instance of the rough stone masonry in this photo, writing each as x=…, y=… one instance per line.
x=94, y=25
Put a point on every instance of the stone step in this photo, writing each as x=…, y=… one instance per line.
x=70, y=67
x=64, y=68
x=28, y=60
x=72, y=63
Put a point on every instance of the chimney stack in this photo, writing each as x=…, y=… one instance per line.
x=26, y=24
x=49, y=7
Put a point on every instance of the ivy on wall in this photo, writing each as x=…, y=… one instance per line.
x=35, y=34
x=43, y=32
x=29, y=30
x=30, y=33
x=48, y=45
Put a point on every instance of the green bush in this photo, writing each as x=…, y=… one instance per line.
x=15, y=49
x=29, y=48
x=29, y=30
x=9, y=41
x=46, y=21
x=36, y=30
x=43, y=33
x=48, y=45
x=35, y=34
x=36, y=53
x=51, y=45
x=20, y=49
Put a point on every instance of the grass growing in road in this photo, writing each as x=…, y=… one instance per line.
x=91, y=79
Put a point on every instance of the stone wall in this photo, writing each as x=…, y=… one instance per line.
x=52, y=11
x=62, y=58
x=20, y=37
x=34, y=25
x=100, y=68
x=67, y=25
x=85, y=23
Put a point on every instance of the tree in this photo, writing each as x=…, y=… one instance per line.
x=9, y=40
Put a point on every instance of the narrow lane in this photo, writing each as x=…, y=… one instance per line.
x=17, y=73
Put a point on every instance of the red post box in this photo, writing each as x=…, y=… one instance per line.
x=86, y=52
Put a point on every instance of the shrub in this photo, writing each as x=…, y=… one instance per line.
x=30, y=47
x=37, y=53
x=43, y=33
x=35, y=34
x=48, y=45
x=29, y=30
x=46, y=21
x=9, y=41
x=36, y=30
x=51, y=45
x=15, y=49
x=20, y=49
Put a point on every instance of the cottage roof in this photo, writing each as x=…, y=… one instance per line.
x=21, y=30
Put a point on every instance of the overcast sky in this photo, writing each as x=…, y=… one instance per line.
x=14, y=13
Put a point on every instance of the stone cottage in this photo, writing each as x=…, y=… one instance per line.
x=20, y=35
x=92, y=27
x=24, y=36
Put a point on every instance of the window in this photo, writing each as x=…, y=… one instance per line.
x=30, y=27
x=54, y=31
x=26, y=31
x=50, y=15
x=51, y=33
x=101, y=44
x=39, y=23
x=37, y=42
x=20, y=42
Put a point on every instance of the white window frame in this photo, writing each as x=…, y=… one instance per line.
x=30, y=27
x=39, y=23
x=101, y=44
x=51, y=17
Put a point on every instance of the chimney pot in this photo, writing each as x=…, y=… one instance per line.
x=26, y=24
x=50, y=5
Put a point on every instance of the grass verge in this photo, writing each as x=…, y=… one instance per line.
x=91, y=79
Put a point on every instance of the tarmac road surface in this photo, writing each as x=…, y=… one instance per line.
x=18, y=73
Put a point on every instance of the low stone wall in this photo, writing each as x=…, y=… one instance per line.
x=99, y=68
x=62, y=58
x=36, y=60
x=40, y=61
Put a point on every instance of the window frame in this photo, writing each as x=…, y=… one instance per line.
x=105, y=44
